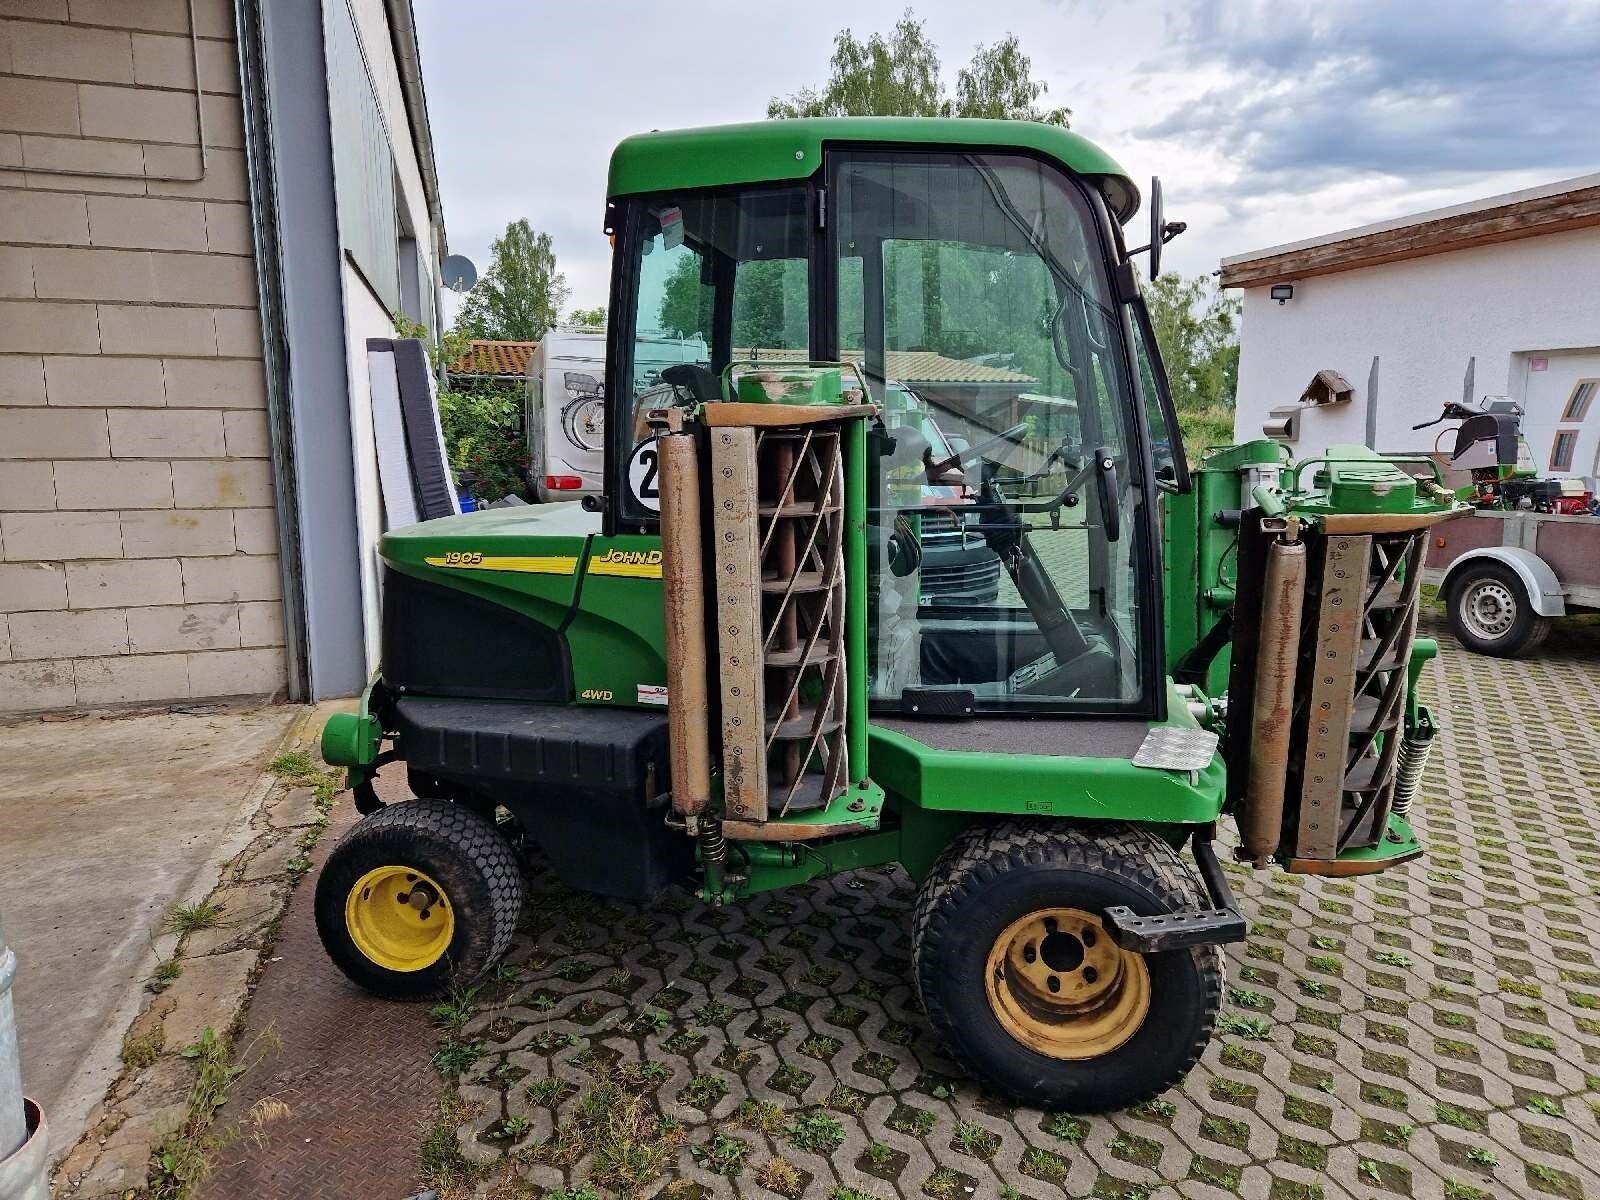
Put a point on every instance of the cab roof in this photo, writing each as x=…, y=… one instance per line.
x=770, y=151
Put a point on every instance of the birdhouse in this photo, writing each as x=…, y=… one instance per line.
x=1327, y=387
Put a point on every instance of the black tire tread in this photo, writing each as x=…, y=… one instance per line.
x=976, y=855
x=463, y=833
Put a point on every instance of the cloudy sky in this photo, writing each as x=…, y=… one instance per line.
x=1267, y=121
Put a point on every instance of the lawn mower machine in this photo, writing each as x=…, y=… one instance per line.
x=725, y=675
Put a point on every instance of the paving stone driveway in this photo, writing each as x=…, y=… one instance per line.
x=1434, y=1032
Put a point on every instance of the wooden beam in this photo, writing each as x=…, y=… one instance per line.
x=1510, y=222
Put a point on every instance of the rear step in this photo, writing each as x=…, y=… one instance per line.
x=1194, y=927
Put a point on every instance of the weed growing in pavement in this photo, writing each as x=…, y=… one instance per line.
x=879, y=1155
x=439, y=1155
x=761, y=1115
x=722, y=1155
x=779, y=1175
x=454, y=1058
x=1547, y=1105
x=456, y=1009
x=631, y=1145
x=1256, y=1029
x=1483, y=1156
x=293, y=765
x=167, y=970
x=139, y=1052
x=183, y=1159
x=816, y=1131
x=703, y=1092
x=186, y=918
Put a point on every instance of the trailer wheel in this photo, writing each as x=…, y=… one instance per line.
x=1490, y=611
x=418, y=896
x=1020, y=977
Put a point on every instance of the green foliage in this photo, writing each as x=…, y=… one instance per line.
x=898, y=75
x=881, y=77
x=1197, y=328
x=521, y=293
x=999, y=83
x=588, y=318
x=482, y=425
x=186, y=918
x=481, y=420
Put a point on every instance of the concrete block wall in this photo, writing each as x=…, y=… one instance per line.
x=138, y=555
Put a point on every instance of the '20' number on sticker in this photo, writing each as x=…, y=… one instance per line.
x=644, y=475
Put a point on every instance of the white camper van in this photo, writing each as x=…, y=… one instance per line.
x=565, y=406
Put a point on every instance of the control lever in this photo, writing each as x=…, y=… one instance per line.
x=1105, y=477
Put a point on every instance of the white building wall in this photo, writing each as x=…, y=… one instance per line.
x=367, y=314
x=1423, y=317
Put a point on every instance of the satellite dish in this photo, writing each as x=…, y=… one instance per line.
x=459, y=273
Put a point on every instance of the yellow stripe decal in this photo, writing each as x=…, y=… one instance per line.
x=559, y=564
x=625, y=570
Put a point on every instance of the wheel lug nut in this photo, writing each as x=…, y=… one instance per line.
x=1054, y=983
x=1090, y=974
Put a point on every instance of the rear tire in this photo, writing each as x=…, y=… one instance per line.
x=1115, y=1048
x=1490, y=612
x=417, y=897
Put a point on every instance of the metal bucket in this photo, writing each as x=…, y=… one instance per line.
x=24, y=1174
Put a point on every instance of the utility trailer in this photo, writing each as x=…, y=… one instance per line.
x=1505, y=575
x=730, y=678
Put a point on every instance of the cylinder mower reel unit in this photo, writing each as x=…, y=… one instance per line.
x=891, y=598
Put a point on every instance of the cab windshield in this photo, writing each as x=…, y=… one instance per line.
x=1007, y=539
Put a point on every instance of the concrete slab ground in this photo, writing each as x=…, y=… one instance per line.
x=108, y=820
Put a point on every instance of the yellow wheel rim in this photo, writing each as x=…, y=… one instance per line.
x=399, y=918
x=1060, y=986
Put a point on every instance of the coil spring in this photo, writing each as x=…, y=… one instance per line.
x=713, y=846
x=1408, y=773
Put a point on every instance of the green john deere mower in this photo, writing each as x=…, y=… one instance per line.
x=741, y=668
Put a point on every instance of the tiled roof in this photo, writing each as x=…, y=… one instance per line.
x=494, y=358
x=910, y=366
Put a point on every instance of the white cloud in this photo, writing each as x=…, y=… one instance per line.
x=1267, y=121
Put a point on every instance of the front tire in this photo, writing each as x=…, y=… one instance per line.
x=418, y=896
x=1490, y=612
x=1031, y=994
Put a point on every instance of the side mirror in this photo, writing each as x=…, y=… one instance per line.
x=1158, y=221
x=1162, y=230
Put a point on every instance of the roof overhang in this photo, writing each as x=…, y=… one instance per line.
x=408, y=59
x=1552, y=208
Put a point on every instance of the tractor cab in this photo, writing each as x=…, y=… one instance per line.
x=985, y=284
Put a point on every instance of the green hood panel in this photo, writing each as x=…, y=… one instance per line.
x=770, y=151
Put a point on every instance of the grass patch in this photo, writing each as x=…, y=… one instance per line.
x=456, y=1010
x=631, y=1145
x=183, y=1159
x=817, y=1131
x=722, y=1155
x=295, y=764
x=167, y=970
x=186, y=918
x=139, y=1052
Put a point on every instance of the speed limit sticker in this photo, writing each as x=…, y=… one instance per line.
x=644, y=475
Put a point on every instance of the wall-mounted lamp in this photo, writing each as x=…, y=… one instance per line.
x=1282, y=292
